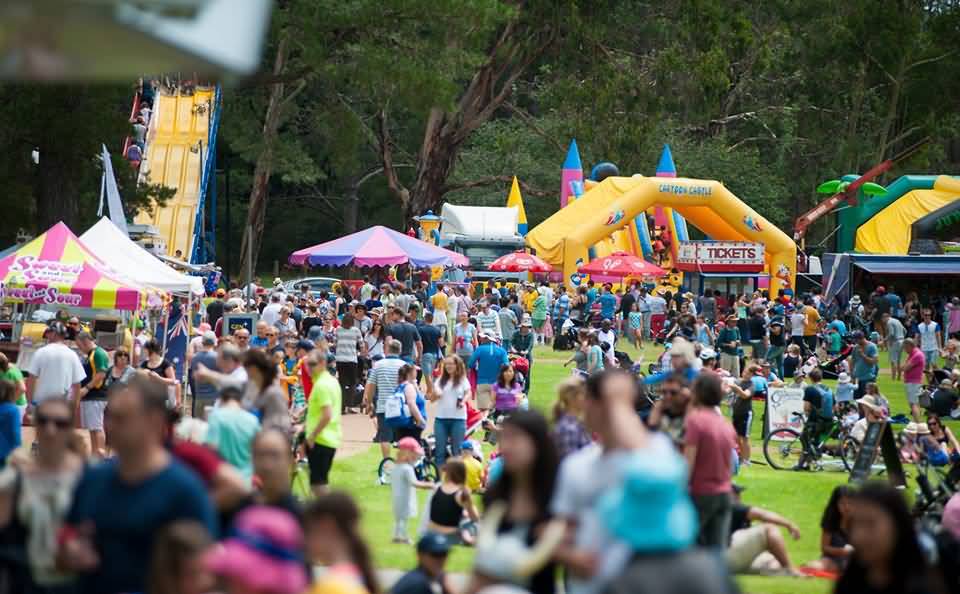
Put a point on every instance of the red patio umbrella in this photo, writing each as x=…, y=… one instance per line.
x=519, y=262
x=621, y=264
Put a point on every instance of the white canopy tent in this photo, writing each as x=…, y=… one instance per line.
x=118, y=251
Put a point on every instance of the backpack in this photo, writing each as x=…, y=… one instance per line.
x=396, y=412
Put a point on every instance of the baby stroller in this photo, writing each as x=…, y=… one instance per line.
x=832, y=368
x=521, y=366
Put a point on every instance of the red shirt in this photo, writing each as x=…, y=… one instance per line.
x=714, y=437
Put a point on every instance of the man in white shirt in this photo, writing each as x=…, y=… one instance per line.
x=271, y=313
x=55, y=370
x=366, y=290
x=609, y=337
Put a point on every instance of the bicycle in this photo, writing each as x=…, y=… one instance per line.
x=784, y=448
x=424, y=468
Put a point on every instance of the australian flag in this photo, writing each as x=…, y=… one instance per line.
x=178, y=335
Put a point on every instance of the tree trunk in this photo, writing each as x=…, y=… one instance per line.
x=257, y=211
x=515, y=49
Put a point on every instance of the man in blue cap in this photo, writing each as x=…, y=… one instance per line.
x=428, y=577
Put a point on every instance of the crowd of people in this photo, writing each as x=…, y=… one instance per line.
x=616, y=492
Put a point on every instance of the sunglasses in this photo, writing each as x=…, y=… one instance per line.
x=58, y=422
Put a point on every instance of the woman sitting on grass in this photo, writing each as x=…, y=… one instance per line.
x=834, y=536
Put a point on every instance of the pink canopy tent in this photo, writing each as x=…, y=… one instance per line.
x=377, y=246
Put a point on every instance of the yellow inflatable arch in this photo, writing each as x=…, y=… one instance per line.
x=563, y=239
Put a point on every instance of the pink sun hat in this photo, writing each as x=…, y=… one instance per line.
x=264, y=552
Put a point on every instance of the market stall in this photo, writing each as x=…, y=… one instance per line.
x=55, y=271
x=731, y=267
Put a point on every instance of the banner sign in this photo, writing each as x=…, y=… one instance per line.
x=781, y=404
x=720, y=256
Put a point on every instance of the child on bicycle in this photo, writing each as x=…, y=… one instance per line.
x=816, y=421
x=403, y=481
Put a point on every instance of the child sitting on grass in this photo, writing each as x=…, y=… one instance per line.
x=473, y=465
x=403, y=481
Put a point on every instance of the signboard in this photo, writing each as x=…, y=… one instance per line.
x=720, y=256
x=781, y=404
x=234, y=322
x=878, y=440
x=34, y=274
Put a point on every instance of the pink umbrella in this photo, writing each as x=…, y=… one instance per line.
x=621, y=264
x=519, y=262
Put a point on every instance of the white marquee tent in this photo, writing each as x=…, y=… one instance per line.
x=118, y=251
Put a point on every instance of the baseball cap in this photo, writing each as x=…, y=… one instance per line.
x=221, y=293
x=410, y=444
x=857, y=335
x=306, y=345
x=708, y=353
x=432, y=543
x=208, y=338
x=466, y=445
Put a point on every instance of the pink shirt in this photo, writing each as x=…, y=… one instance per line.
x=714, y=437
x=913, y=368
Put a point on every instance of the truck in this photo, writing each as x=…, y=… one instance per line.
x=482, y=234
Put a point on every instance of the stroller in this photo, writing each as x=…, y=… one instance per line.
x=831, y=369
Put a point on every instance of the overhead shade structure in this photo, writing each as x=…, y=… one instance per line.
x=377, y=246
x=519, y=262
x=908, y=265
x=621, y=264
x=122, y=254
x=57, y=269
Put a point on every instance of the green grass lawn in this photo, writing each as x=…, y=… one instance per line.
x=799, y=496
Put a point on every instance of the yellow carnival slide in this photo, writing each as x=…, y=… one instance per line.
x=176, y=146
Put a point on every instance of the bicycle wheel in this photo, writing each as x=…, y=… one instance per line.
x=428, y=472
x=385, y=470
x=849, y=448
x=783, y=450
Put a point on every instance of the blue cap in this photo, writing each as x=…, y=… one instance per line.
x=651, y=510
x=467, y=445
x=433, y=544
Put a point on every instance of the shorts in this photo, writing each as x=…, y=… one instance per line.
x=538, y=324
x=428, y=361
x=484, y=396
x=913, y=393
x=931, y=357
x=742, y=422
x=384, y=432
x=731, y=363
x=894, y=349
x=91, y=414
x=320, y=459
x=745, y=546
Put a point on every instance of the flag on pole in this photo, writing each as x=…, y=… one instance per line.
x=114, y=205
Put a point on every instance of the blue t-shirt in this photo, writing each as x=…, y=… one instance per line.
x=488, y=359
x=591, y=297
x=9, y=429
x=861, y=369
x=608, y=305
x=840, y=326
x=758, y=384
x=127, y=518
x=430, y=338
x=827, y=409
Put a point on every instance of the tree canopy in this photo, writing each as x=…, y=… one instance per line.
x=373, y=111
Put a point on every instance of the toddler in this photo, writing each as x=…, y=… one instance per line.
x=635, y=323
x=403, y=481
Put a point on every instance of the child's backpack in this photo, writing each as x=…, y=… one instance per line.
x=396, y=413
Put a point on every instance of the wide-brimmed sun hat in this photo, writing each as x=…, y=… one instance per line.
x=264, y=552
x=870, y=402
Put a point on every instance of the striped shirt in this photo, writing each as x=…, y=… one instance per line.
x=384, y=377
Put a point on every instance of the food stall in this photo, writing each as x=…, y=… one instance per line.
x=56, y=273
x=731, y=267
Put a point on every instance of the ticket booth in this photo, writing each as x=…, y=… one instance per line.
x=731, y=267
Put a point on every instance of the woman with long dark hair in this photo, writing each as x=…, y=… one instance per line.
x=887, y=557
x=333, y=540
x=835, y=532
x=520, y=500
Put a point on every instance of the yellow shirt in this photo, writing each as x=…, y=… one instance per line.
x=528, y=298
x=439, y=301
x=474, y=472
x=813, y=319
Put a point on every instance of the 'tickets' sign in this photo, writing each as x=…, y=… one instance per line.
x=720, y=256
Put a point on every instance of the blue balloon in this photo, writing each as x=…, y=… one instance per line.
x=603, y=170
